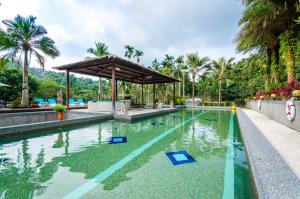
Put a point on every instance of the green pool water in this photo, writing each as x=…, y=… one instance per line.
x=79, y=162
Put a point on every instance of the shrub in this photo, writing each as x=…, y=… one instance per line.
x=180, y=101
x=16, y=103
x=240, y=102
x=59, y=108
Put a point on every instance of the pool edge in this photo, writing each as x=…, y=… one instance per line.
x=271, y=175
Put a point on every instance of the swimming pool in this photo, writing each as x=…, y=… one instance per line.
x=187, y=154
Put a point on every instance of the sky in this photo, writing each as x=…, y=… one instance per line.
x=157, y=27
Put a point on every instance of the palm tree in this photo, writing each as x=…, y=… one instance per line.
x=220, y=69
x=100, y=50
x=129, y=51
x=181, y=67
x=269, y=21
x=261, y=31
x=24, y=37
x=155, y=64
x=168, y=64
x=196, y=65
x=138, y=54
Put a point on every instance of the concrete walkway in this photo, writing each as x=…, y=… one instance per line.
x=285, y=140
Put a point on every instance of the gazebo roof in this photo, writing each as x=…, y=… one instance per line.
x=125, y=70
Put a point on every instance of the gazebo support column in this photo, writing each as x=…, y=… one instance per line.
x=68, y=90
x=154, y=96
x=142, y=95
x=117, y=90
x=113, y=93
x=174, y=98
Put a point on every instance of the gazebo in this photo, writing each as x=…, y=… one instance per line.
x=116, y=68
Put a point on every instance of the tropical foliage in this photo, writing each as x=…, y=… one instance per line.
x=268, y=35
x=100, y=50
x=24, y=38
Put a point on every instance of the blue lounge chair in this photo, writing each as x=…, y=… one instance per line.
x=40, y=101
x=80, y=101
x=72, y=101
x=52, y=102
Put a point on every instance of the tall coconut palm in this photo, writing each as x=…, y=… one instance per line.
x=155, y=64
x=100, y=50
x=220, y=68
x=260, y=31
x=23, y=37
x=129, y=51
x=168, y=64
x=196, y=66
x=181, y=67
x=138, y=54
x=279, y=14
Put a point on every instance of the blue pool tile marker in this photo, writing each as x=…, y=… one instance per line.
x=157, y=123
x=3, y=160
x=180, y=157
x=117, y=140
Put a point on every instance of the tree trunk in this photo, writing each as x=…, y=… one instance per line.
x=275, y=63
x=220, y=87
x=290, y=65
x=25, y=88
x=183, y=85
x=179, y=89
x=100, y=89
x=193, y=90
x=268, y=69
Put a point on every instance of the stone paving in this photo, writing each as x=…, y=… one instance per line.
x=274, y=153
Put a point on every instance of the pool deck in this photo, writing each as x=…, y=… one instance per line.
x=274, y=153
x=135, y=114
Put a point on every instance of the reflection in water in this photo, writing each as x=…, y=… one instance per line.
x=34, y=160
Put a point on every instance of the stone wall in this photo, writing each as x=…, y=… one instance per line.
x=276, y=111
x=10, y=119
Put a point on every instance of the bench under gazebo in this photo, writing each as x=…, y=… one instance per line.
x=117, y=69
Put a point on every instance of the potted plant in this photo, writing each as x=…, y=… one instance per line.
x=273, y=96
x=296, y=94
x=60, y=111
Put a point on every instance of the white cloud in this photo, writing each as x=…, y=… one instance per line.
x=156, y=27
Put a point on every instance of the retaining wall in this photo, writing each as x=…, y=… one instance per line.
x=13, y=123
x=276, y=111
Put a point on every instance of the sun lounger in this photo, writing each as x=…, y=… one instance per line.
x=52, y=102
x=39, y=101
x=72, y=102
x=80, y=101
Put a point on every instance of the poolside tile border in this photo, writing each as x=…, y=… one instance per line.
x=272, y=176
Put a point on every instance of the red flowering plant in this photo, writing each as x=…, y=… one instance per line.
x=259, y=94
x=284, y=92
